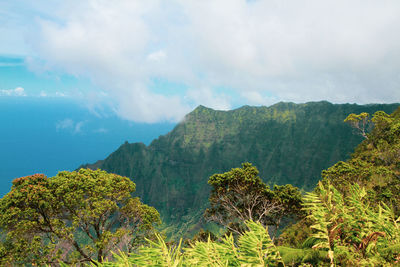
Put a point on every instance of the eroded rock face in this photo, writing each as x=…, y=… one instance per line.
x=289, y=143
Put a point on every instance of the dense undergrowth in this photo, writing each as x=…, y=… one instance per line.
x=345, y=231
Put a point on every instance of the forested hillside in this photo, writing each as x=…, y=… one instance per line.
x=350, y=218
x=289, y=143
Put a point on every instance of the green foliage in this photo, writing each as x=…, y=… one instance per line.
x=240, y=195
x=346, y=231
x=202, y=235
x=354, y=210
x=289, y=143
x=352, y=216
x=74, y=217
x=257, y=248
x=375, y=164
x=359, y=122
x=297, y=256
x=350, y=230
x=254, y=248
x=158, y=254
x=296, y=235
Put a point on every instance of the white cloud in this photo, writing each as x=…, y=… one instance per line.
x=65, y=124
x=70, y=125
x=139, y=104
x=157, y=56
x=256, y=98
x=78, y=127
x=208, y=98
x=19, y=91
x=52, y=94
x=336, y=50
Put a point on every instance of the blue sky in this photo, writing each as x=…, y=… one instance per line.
x=154, y=61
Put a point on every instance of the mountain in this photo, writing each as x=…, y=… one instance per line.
x=289, y=143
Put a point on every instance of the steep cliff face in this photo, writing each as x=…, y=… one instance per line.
x=289, y=143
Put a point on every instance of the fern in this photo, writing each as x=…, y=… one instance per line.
x=254, y=248
x=213, y=253
x=351, y=230
x=321, y=211
x=158, y=254
x=257, y=248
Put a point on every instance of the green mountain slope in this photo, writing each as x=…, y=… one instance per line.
x=289, y=143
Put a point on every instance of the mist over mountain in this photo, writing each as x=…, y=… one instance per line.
x=289, y=143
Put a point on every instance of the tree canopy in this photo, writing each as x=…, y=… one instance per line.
x=73, y=217
x=240, y=195
x=375, y=164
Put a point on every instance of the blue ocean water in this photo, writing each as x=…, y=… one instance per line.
x=47, y=135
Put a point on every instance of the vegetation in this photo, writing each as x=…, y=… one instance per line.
x=289, y=143
x=73, y=217
x=352, y=215
x=351, y=229
x=254, y=248
x=350, y=218
x=346, y=231
x=375, y=163
x=240, y=195
x=354, y=212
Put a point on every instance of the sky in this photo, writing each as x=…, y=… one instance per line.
x=154, y=61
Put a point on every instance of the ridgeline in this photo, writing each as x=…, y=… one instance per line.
x=289, y=143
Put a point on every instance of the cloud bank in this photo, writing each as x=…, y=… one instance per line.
x=261, y=51
x=19, y=91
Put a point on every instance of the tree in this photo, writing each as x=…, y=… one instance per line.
x=290, y=199
x=240, y=195
x=360, y=122
x=375, y=164
x=73, y=217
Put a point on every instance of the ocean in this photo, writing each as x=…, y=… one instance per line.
x=48, y=135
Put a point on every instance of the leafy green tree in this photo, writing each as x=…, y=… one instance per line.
x=375, y=164
x=290, y=199
x=240, y=195
x=360, y=122
x=73, y=217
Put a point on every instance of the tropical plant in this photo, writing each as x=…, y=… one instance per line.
x=73, y=217
x=254, y=248
x=350, y=230
x=375, y=164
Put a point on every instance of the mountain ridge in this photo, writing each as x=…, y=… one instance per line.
x=288, y=142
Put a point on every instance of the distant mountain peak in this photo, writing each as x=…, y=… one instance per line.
x=201, y=107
